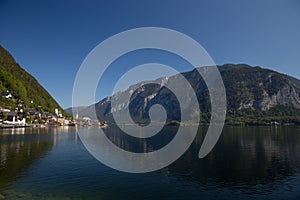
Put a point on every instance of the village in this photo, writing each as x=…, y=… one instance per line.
x=20, y=116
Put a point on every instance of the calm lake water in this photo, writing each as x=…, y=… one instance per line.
x=246, y=163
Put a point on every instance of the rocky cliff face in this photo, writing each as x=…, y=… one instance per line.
x=260, y=89
x=246, y=88
x=286, y=96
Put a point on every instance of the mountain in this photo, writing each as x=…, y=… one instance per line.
x=255, y=96
x=22, y=86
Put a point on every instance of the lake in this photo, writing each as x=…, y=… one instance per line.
x=246, y=163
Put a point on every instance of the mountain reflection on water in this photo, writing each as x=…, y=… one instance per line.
x=18, y=152
x=247, y=162
x=245, y=156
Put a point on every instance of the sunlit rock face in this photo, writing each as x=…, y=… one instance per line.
x=246, y=88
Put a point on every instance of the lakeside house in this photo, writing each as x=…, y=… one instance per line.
x=6, y=94
x=13, y=118
x=21, y=116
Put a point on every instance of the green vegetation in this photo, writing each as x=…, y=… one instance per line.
x=245, y=83
x=23, y=86
x=253, y=84
x=255, y=96
x=282, y=114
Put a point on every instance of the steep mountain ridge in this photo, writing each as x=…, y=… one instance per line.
x=251, y=91
x=22, y=85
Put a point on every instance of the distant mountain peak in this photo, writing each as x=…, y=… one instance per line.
x=254, y=89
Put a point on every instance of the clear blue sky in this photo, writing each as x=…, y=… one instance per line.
x=50, y=39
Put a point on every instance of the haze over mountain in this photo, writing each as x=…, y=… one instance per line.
x=22, y=86
x=254, y=96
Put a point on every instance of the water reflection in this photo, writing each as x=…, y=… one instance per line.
x=20, y=147
x=244, y=157
x=141, y=145
x=13, y=131
x=248, y=162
